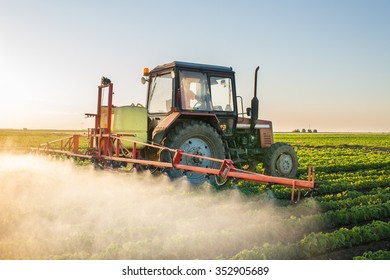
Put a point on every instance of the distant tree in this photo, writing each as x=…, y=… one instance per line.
x=309, y=130
x=296, y=131
x=315, y=131
x=303, y=130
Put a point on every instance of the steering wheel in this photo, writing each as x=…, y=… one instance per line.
x=198, y=105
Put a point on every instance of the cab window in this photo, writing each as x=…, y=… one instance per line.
x=221, y=94
x=160, y=96
x=194, y=91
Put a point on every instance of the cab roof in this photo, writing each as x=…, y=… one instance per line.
x=194, y=66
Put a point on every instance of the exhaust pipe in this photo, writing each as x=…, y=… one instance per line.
x=255, y=103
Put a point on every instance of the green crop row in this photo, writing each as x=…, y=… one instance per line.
x=352, y=216
x=336, y=159
x=302, y=224
x=298, y=226
x=352, y=194
x=333, y=183
x=375, y=174
x=377, y=255
x=326, y=188
x=370, y=199
x=335, y=139
x=316, y=244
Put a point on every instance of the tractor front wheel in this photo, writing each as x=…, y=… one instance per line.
x=281, y=161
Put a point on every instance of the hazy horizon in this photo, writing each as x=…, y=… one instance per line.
x=318, y=132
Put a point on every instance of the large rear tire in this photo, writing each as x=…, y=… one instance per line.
x=197, y=138
x=281, y=161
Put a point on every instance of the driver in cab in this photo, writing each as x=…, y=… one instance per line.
x=188, y=95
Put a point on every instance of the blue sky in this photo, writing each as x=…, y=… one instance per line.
x=323, y=64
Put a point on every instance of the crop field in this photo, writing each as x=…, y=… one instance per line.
x=59, y=209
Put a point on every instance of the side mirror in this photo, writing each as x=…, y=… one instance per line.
x=248, y=111
x=143, y=80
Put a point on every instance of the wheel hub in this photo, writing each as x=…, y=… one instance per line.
x=284, y=164
x=198, y=147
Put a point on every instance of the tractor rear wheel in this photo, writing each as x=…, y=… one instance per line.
x=281, y=161
x=196, y=138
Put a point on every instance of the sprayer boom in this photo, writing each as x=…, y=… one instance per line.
x=226, y=170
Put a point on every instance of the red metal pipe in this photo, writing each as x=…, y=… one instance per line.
x=109, y=109
x=99, y=108
x=239, y=174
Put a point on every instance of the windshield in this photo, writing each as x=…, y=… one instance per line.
x=160, y=96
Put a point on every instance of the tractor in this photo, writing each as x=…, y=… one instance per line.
x=193, y=125
x=195, y=108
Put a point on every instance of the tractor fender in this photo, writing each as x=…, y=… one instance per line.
x=161, y=130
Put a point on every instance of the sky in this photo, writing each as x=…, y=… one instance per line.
x=324, y=65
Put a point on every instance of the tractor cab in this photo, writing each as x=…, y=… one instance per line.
x=195, y=91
